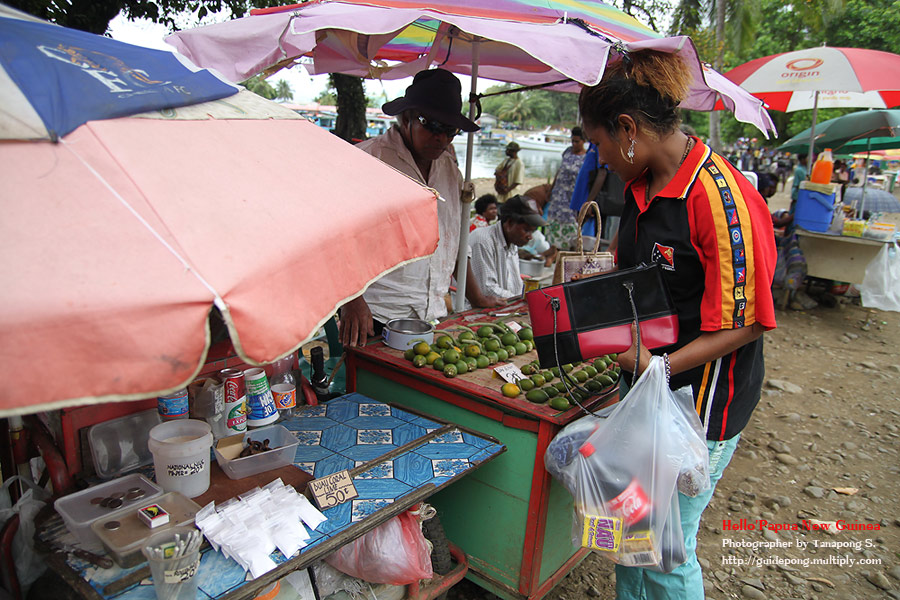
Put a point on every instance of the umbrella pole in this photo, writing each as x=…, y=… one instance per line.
x=812, y=134
x=462, y=255
x=862, y=198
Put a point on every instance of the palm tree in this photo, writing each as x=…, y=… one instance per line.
x=283, y=90
x=734, y=23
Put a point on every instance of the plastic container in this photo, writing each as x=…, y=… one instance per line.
x=815, y=206
x=283, y=442
x=880, y=231
x=120, y=445
x=174, y=578
x=181, y=455
x=823, y=168
x=853, y=227
x=81, y=509
x=123, y=534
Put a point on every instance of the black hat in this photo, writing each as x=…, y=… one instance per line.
x=436, y=94
x=518, y=208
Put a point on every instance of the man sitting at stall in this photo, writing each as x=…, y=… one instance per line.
x=429, y=116
x=494, y=249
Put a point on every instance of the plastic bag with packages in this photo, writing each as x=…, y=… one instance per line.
x=622, y=472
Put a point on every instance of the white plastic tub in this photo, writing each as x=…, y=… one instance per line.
x=181, y=455
x=82, y=508
x=283, y=443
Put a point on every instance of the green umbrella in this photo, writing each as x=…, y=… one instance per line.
x=856, y=132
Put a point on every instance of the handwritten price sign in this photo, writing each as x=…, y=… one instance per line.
x=333, y=489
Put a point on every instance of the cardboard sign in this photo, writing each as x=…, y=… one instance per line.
x=333, y=489
x=509, y=372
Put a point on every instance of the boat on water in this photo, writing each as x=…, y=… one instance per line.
x=548, y=140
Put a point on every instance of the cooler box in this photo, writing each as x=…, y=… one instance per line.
x=815, y=206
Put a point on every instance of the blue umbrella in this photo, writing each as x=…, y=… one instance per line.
x=94, y=78
x=874, y=200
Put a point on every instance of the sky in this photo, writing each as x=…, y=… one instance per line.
x=143, y=32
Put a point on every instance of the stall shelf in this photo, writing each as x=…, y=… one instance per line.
x=396, y=459
x=511, y=518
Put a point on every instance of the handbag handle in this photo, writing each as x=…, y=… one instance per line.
x=568, y=379
x=582, y=215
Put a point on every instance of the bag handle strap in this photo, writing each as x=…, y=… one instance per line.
x=582, y=215
x=567, y=379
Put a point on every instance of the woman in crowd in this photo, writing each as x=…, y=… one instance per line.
x=689, y=210
x=561, y=230
x=485, y=211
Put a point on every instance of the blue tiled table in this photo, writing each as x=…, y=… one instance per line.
x=345, y=433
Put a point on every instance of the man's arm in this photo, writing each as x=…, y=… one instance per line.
x=474, y=294
x=356, y=322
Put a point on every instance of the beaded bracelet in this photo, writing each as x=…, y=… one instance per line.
x=665, y=357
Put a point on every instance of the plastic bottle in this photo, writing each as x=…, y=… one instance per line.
x=823, y=168
x=319, y=379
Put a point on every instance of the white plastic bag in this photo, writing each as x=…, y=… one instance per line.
x=622, y=473
x=881, y=286
x=29, y=565
x=693, y=479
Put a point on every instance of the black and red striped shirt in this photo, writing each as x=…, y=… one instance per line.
x=711, y=232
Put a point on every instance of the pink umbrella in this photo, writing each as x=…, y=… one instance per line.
x=120, y=239
x=521, y=41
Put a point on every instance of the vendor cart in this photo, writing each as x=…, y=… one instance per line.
x=511, y=518
x=396, y=459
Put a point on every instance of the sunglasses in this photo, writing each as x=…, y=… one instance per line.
x=437, y=128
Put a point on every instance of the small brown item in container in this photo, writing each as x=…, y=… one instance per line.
x=255, y=447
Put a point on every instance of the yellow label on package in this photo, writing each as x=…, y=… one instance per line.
x=601, y=533
x=639, y=550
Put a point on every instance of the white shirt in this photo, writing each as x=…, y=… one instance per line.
x=495, y=263
x=417, y=289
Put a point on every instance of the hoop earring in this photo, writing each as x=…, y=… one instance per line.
x=630, y=156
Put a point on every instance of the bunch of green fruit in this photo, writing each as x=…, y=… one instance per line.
x=546, y=385
x=471, y=349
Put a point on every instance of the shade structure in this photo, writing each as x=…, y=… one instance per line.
x=93, y=77
x=844, y=77
x=856, y=132
x=519, y=41
x=119, y=240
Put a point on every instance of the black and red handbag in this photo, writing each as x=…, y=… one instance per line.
x=591, y=317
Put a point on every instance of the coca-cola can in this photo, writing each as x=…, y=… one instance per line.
x=235, y=400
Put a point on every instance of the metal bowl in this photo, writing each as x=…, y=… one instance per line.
x=531, y=268
x=401, y=334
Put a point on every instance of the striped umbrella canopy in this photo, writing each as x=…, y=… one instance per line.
x=561, y=43
x=519, y=41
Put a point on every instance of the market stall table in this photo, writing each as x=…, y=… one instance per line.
x=396, y=459
x=511, y=519
x=837, y=257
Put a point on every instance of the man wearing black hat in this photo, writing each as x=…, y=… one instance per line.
x=429, y=116
x=494, y=249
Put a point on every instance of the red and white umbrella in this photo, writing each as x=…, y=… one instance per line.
x=822, y=77
x=843, y=75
